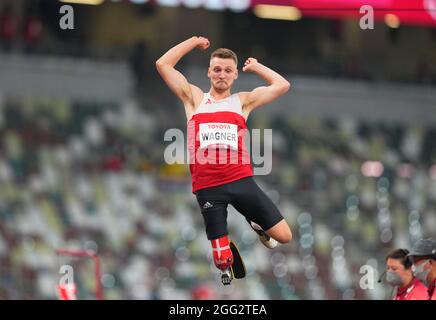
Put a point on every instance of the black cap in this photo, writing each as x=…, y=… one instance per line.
x=424, y=247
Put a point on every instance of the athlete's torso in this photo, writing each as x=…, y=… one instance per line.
x=217, y=149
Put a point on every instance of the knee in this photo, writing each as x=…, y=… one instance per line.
x=281, y=232
x=285, y=237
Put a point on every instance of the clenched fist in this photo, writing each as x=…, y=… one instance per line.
x=249, y=65
x=202, y=43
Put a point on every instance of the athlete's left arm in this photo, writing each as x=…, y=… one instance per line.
x=277, y=86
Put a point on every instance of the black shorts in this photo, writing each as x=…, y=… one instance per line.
x=245, y=196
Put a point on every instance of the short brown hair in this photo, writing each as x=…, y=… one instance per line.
x=224, y=53
x=401, y=255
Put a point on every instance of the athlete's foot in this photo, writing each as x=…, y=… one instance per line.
x=226, y=276
x=266, y=240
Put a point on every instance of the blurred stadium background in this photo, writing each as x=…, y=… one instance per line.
x=83, y=114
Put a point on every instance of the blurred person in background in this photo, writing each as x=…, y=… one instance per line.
x=423, y=255
x=215, y=121
x=8, y=28
x=400, y=276
x=32, y=32
x=138, y=65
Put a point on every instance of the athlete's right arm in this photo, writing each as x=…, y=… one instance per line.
x=175, y=80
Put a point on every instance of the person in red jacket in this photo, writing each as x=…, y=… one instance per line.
x=399, y=275
x=8, y=29
x=423, y=255
x=215, y=121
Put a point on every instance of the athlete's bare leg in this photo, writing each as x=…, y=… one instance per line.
x=280, y=232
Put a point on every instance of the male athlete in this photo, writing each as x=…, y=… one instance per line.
x=215, y=122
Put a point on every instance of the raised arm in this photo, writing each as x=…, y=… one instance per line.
x=277, y=86
x=175, y=80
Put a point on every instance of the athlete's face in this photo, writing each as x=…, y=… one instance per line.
x=222, y=73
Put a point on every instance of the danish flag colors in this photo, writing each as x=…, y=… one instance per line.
x=216, y=143
x=221, y=252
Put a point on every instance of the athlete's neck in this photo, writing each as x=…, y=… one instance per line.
x=217, y=95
